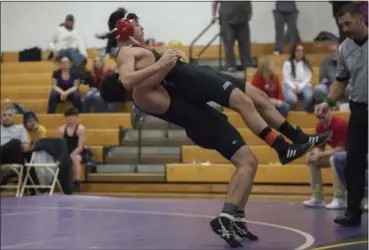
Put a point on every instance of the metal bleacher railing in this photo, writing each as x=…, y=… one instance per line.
x=194, y=59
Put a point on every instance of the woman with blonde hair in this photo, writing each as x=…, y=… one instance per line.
x=93, y=79
x=267, y=81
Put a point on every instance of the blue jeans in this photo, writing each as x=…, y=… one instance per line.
x=284, y=109
x=291, y=98
x=320, y=92
x=93, y=97
x=76, y=58
x=339, y=162
x=54, y=99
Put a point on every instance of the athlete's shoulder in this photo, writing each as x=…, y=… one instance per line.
x=124, y=53
x=125, y=50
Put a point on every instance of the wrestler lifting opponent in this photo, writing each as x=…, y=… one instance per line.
x=200, y=85
x=204, y=125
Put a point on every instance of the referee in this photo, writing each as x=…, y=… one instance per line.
x=352, y=69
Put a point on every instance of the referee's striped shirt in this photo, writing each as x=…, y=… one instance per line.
x=352, y=64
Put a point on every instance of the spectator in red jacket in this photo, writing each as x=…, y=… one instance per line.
x=267, y=80
x=93, y=79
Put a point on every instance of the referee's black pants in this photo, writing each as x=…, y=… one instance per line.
x=357, y=149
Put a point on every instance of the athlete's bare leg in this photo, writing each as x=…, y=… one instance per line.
x=239, y=188
x=246, y=164
x=265, y=107
x=245, y=107
x=244, y=158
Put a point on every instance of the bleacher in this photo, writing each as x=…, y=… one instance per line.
x=156, y=157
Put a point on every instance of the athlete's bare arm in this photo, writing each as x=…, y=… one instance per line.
x=131, y=78
x=128, y=76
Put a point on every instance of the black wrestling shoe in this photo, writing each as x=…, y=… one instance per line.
x=240, y=229
x=348, y=220
x=317, y=139
x=223, y=226
x=294, y=151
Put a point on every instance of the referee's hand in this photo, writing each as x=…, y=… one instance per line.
x=321, y=109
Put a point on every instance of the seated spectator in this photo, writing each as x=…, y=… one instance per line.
x=339, y=162
x=319, y=158
x=67, y=42
x=33, y=127
x=14, y=142
x=297, y=75
x=65, y=86
x=267, y=80
x=93, y=79
x=17, y=107
x=327, y=73
x=75, y=135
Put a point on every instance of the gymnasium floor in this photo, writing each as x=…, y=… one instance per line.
x=91, y=222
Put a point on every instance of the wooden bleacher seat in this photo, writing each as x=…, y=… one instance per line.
x=130, y=178
x=40, y=105
x=212, y=52
x=222, y=173
x=299, y=118
x=95, y=137
x=90, y=121
x=42, y=67
x=35, y=92
x=314, y=80
x=314, y=59
x=263, y=153
x=97, y=152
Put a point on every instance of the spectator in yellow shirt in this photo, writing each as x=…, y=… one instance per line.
x=33, y=127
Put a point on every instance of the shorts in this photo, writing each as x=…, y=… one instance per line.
x=213, y=131
x=204, y=125
x=203, y=84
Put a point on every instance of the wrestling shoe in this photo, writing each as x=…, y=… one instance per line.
x=294, y=151
x=240, y=228
x=224, y=227
x=317, y=139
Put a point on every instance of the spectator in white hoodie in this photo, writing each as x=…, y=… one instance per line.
x=297, y=74
x=67, y=42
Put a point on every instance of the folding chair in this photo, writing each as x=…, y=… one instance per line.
x=18, y=169
x=47, y=171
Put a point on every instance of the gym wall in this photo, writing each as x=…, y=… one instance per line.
x=29, y=24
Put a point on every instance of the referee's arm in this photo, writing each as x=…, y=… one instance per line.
x=338, y=88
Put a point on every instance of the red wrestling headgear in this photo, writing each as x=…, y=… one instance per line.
x=124, y=28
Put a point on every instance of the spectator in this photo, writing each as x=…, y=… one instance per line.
x=111, y=47
x=33, y=127
x=17, y=107
x=267, y=80
x=339, y=163
x=65, y=86
x=336, y=6
x=327, y=73
x=285, y=13
x=67, y=42
x=93, y=79
x=13, y=142
x=75, y=135
x=234, y=18
x=363, y=5
x=297, y=74
x=319, y=158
